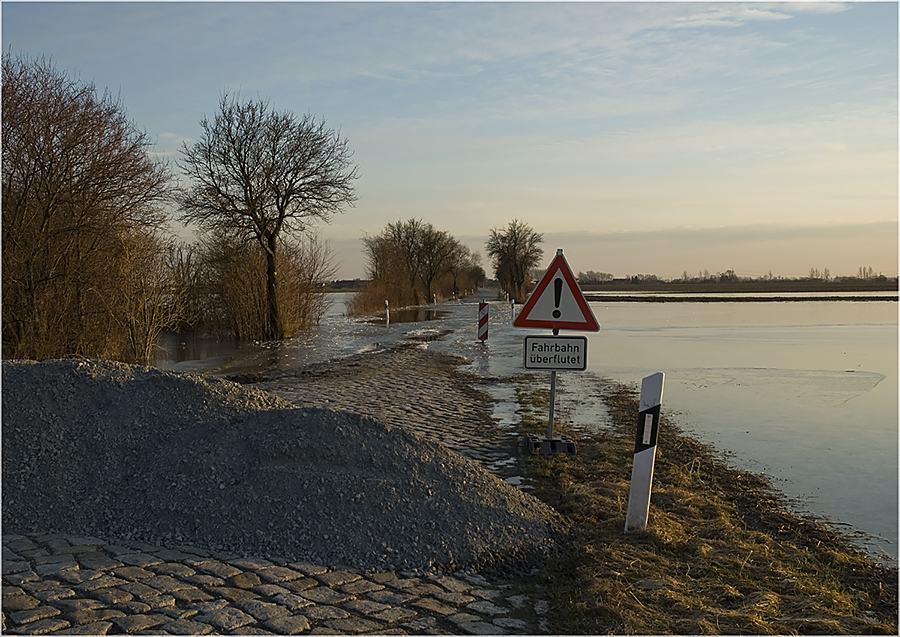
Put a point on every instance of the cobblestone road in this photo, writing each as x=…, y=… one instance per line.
x=81, y=585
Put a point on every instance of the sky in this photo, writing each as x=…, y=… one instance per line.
x=639, y=137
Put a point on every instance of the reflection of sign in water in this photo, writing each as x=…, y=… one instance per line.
x=408, y=315
x=556, y=352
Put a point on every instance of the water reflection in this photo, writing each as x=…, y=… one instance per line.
x=410, y=315
x=337, y=336
x=176, y=349
x=805, y=393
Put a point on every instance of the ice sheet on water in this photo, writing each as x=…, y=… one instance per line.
x=820, y=386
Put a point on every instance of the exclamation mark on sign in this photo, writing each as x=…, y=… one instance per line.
x=557, y=295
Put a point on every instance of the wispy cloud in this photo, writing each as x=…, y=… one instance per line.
x=727, y=16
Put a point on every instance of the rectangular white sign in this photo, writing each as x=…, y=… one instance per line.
x=648, y=428
x=556, y=352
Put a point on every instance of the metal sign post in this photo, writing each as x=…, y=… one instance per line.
x=552, y=402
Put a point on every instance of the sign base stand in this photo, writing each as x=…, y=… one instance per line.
x=548, y=446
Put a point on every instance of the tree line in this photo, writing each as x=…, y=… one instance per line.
x=864, y=273
x=90, y=265
x=412, y=262
x=92, y=268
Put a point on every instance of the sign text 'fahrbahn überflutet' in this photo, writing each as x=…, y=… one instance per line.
x=556, y=352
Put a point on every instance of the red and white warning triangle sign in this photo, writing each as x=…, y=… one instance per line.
x=557, y=302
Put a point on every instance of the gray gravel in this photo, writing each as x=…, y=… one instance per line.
x=135, y=453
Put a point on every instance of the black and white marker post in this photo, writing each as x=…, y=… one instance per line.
x=644, y=452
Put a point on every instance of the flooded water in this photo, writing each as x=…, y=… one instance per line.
x=805, y=392
x=337, y=336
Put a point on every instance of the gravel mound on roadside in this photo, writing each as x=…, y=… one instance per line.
x=134, y=453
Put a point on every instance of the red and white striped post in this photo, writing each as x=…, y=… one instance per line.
x=482, y=321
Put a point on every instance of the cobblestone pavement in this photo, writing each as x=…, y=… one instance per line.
x=80, y=585
x=427, y=393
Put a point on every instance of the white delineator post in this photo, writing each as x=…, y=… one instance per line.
x=483, y=321
x=644, y=452
x=387, y=313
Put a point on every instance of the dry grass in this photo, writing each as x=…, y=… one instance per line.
x=722, y=554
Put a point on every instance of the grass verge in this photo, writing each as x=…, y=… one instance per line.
x=722, y=552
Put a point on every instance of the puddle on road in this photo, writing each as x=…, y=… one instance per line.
x=504, y=409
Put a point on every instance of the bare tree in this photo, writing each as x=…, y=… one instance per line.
x=386, y=267
x=147, y=298
x=310, y=267
x=407, y=263
x=78, y=183
x=465, y=270
x=592, y=278
x=405, y=241
x=257, y=173
x=515, y=250
x=229, y=284
x=439, y=251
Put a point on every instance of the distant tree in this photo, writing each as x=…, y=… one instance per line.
x=592, y=278
x=406, y=262
x=402, y=245
x=465, y=270
x=728, y=276
x=515, y=250
x=644, y=278
x=388, y=271
x=83, y=272
x=256, y=173
x=426, y=253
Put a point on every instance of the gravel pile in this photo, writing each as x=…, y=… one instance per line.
x=133, y=453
